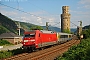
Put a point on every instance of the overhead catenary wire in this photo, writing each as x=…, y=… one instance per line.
x=51, y=13
x=29, y=13
x=73, y=23
x=23, y=11
x=56, y=23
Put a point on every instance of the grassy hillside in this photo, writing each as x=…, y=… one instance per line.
x=24, y=25
x=3, y=29
x=7, y=25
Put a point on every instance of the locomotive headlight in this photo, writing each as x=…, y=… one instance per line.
x=32, y=40
x=25, y=40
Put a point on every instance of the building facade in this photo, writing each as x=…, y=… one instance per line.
x=65, y=19
x=11, y=37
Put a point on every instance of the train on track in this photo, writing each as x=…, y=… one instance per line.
x=41, y=38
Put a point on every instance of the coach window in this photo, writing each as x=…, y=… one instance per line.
x=65, y=36
x=62, y=36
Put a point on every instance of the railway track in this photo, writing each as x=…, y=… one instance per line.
x=51, y=54
x=46, y=54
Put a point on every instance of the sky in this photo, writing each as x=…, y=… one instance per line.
x=39, y=12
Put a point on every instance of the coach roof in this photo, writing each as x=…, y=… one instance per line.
x=64, y=33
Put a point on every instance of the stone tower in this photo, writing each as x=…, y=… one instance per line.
x=65, y=19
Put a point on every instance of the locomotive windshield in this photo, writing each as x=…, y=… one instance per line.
x=29, y=35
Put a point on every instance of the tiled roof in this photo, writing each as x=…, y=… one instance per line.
x=8, y=35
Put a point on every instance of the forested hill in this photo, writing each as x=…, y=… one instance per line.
x=86, y=27
x=7, y=25
x=25, y=26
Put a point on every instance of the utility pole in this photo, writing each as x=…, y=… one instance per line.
x=19, y=28
x=47, y=25
x=80, y=23
x=79, y=28
x=18, y=22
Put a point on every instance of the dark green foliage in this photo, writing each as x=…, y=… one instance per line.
x=78, y=52
x=3, y=29
x=86, y=27
x=4, y=42
x=9, y=53
x=25, y=25
x=36, y=28
x=5, y=54
x=7, y=24
x=88, y=53
x=86, y=33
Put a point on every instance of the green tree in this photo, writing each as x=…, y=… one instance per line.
x=36, y=28
x=86, y=33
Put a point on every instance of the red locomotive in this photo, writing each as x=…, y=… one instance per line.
x=39, y=38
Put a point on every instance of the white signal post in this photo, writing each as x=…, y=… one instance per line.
x=19, y=28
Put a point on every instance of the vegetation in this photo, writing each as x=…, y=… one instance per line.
x=24, y=25
x=7, y=25
x=36, y=28
x=66, y=31
x=78, y=52
x=5, y=54
x=86, y=33
x=3, y=29
x=4, y=42
x=86, y=27
x=9, y=53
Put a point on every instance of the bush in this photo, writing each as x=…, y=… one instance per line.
x=9, y=53
x=4, y=42
x=5, y=54
x=78, y=52
x=36, y=28
x=86, y=33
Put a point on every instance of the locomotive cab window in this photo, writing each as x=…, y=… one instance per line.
x=29, y=35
